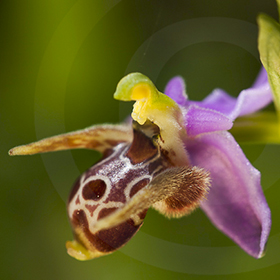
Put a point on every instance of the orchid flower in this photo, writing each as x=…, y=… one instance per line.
x=176, y=156
x=235, y=203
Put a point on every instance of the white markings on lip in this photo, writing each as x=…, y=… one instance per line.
x=102, y=170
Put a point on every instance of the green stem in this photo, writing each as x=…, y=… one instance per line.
x=259, y=128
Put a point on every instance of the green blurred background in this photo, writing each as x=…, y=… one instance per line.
x=60, y=63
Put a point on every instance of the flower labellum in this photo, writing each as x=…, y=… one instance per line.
x=166, y=159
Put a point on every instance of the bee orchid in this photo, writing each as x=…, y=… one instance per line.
x=175, y=156
x=235, y=204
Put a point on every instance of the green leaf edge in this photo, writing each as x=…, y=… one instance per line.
x=269, y=48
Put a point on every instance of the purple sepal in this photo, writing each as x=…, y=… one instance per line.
x=201, y=120
x=249, y=100
x=235, y=203
x=261, y=78
x=176, y=89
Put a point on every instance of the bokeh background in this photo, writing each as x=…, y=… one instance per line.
x=60, y=63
